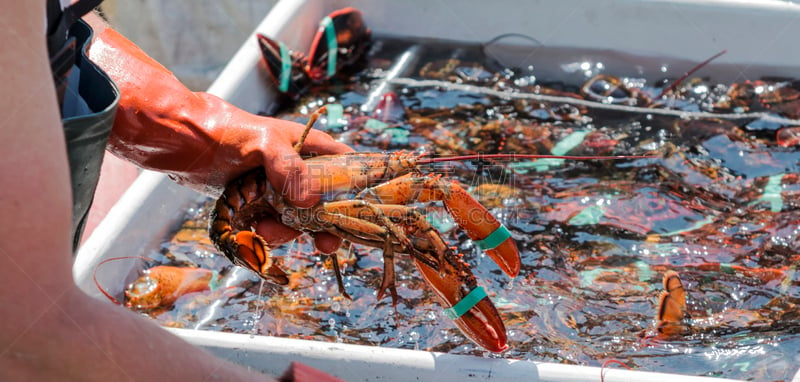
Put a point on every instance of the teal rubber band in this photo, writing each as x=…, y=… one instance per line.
x=589, y=216
x=286, y=68
x=726, y=268
x=333, y=46
x=375, y=126
x=562, y=147
x=466, y=304
x=772, y=193
x=214, y=282
x=569, y=142
x=494, y=239
x=335, y=113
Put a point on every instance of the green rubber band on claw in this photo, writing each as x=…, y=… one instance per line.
x=213, y=284
x=494, y=239
x=286, y=68
x=463, y=306
x=726, y=268
x=333, y=46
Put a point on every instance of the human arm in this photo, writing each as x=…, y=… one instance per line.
x=200, y=140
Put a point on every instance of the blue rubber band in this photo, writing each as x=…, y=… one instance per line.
x=286, y=68
x=214, y=282
x=333, y=46
x=466, y=304
x=494, y=239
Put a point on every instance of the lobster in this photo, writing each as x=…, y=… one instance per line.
x=161, y=286
x=377, y=217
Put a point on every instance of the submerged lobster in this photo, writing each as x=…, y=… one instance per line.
x=377, y=217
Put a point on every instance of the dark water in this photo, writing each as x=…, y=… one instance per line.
x=595, y=236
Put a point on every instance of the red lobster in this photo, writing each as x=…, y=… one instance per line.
x=377, y=217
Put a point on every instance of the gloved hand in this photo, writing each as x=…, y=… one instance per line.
x=201, y=140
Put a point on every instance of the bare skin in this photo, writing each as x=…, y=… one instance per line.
x=50, y=330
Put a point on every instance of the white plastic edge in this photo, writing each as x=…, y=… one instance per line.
x=272, y=355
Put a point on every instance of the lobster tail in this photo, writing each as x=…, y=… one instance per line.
x=243, y=248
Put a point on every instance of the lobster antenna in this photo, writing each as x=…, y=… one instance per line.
x=529, y=156
x=97, y=283
x=687, y=74
x=311, y=120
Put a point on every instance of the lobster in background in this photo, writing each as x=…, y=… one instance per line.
x=342, y=40
x=674, y=321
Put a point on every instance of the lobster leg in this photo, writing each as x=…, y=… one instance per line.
x=378, y=214
x=344, y=226
x=475, y=219
x=385, y=216
x=338, y=273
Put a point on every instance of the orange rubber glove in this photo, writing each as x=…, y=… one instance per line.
x=200, y=140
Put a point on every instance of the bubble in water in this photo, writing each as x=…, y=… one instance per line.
x=510, y=284
x=414, y=338
x=336, y=306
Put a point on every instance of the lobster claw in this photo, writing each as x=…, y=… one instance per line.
x=472, y=311
x=341, y=40
x=286, y=68
x=672, y=307
x=252, y=252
